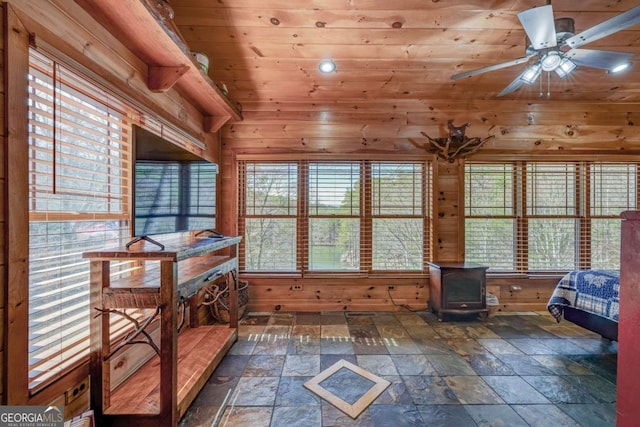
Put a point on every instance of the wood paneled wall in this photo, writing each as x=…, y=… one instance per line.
x=539, y=129
x=337, y=294
x=448, y=204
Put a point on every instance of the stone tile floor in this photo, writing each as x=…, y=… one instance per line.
x=520, y=369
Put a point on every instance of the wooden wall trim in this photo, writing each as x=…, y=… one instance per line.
x=460, y=253
x=446, y=211
x=16, y=206
x=266, y=157
x=558, y=156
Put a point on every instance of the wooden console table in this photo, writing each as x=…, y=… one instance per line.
x=160, y=392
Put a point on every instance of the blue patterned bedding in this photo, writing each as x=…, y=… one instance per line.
x=594, y=291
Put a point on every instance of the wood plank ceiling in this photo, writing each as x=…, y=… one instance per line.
x=394, y=62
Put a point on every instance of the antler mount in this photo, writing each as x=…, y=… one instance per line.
x=456, y=144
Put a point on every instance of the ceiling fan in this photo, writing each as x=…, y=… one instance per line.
x=555, y=47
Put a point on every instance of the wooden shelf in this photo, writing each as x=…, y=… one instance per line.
x=158, y=43
x=200, y=350
x=178, y=247
x=143, y=290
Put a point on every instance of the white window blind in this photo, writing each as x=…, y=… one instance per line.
x=490, y=209
x=398, y=210
x=334, y=216
x=268, y=200
x=613, y=189
x=537, y=216
x=320, y=217
x=552, y=216
x=79, y=160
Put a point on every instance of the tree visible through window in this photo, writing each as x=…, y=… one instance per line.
x=613, y=188
x=490, y=209
x=269, y=209
x=399, y=212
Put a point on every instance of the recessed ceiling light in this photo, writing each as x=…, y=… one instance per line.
x=327, y=66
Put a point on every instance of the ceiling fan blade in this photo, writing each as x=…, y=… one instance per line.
x=540, y=27
x=514, y=85
x=605, y=59
x=603, y=29
x=492, y=67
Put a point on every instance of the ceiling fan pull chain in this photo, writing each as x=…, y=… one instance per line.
x=548, y=85
x=540, y=95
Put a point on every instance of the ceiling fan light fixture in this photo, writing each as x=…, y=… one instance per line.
x=551, y=60
x=619, y=68
x=557, y=48
x=531, y=74
x=327, y=66
x=565, y=68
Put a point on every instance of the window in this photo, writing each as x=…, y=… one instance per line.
x=268, y=207
x=78, y=195
x=552, y=216
x=536, y=216
x=398, y=211
x=490, y=209
x=334, y=216
x=318, y=217
x=613, y=188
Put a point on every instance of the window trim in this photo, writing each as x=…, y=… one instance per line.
x=17, y=194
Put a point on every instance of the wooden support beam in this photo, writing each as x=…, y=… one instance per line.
x=212, y=124
x=161, y=79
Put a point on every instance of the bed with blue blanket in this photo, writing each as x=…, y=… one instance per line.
x=589, y=298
